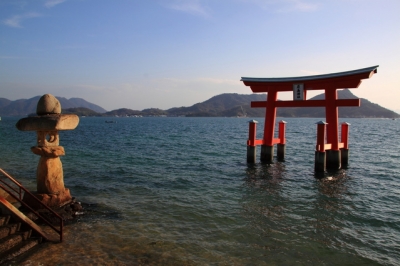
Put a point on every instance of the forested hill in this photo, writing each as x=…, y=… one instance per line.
x=223, y=105
x=228, y=104
x=238, y=105
x=23, y=107
x=367, y=109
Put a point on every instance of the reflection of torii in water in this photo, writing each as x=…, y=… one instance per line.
x=300, y=85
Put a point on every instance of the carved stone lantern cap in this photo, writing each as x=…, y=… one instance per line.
x=49, y=117
x=48, y=105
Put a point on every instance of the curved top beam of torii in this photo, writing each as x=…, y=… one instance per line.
x=347, y=79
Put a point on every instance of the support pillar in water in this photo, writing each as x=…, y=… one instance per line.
x=320, y=154
x=251, y=145
x=345, y=140
x=281, y=151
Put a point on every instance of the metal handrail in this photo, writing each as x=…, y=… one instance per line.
x=19, y=199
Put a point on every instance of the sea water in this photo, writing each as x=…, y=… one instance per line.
x=178, y=191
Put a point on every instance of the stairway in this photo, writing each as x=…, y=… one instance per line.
x=19, y=231
x=15, y=239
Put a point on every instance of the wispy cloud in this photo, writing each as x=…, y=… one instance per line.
x=52, y=3
x=299, y=5
x=193, y=7
x=17, y=20
x=286, y=5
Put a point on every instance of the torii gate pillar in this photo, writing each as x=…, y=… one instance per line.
x=330, y=83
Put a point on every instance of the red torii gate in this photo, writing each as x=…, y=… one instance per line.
x=300, y=85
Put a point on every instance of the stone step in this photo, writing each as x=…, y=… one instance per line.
x=11, y=241
x=4, y=219
x=16, y=241
x=9, y=229
x=20, y=250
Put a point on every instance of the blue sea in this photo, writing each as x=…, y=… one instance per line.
x=178, y=191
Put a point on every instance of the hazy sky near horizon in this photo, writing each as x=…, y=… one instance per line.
x=140, y=54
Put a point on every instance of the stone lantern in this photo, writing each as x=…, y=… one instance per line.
x=47, y=124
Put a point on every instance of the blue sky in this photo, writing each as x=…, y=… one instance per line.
x=169, y=53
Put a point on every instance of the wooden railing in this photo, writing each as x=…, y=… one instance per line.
x=17, y=191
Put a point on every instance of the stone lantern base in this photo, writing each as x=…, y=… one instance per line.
x=53, y=201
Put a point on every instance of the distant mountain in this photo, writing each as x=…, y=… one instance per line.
x=123, y=112
x=366, y=109
x=24, y=107
x=78, y=102
x=227, y=104
x=4, y=102
x=130, y=112
x=238, y=105
x=80, y=111
x=20, y=107
x=231, y=105
x=223, y=105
